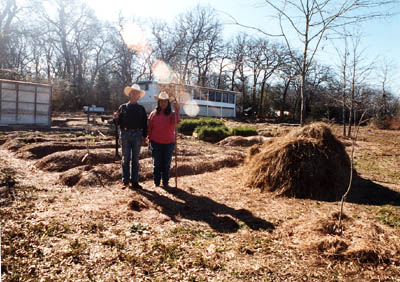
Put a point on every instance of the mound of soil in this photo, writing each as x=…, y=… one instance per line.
x=99, y=175
x=199, y=166
x=65, y=160
x=308, y=162
x=12, y=145
x=40, y=150
x=88, y=175
x=72, y=176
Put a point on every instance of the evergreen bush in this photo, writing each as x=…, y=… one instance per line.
x=187, y=126
x=244, y=131
x=213, y=134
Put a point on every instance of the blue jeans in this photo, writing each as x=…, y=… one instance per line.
x=131, y=141
x=162, y=155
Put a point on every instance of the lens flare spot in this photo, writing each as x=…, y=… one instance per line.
x=191, y=109
x=135, y=39
x=183, y=97
x=161, y=71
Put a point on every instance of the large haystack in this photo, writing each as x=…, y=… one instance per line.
x=308, y=162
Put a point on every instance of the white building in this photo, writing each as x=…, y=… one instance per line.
x=208, y=102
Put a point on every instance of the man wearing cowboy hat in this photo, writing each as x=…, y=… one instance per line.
x=132, y=119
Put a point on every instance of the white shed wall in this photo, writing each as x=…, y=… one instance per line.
x=23, y=103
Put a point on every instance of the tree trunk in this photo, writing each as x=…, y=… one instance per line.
x=284, y=100
x=260, y=108
x=351, y=114
x=302, y=98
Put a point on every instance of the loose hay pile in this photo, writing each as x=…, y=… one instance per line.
x=362, y=241
x=308, y=162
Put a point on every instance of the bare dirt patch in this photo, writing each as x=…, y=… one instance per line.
x=67, y=219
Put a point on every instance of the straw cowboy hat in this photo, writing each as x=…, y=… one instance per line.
x=134, y=88
x=164, y=96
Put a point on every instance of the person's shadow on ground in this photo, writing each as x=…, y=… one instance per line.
x=218, y=216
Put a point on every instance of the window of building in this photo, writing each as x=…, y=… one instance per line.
x=144, y=86
x=211, y=96
x=218, y=96
x=231, y=98
x=204, y=95
x=225, y=98
x=196, y=94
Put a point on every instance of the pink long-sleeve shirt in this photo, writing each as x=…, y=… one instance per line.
x=161, y=128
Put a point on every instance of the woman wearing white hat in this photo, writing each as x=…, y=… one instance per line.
x=132, y=119
x=161, y=131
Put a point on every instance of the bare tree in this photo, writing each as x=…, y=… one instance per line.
x=239, y=75
x=289, y=73
x=8, y=13
x=311, y=21
x=224, y=67
x=274, y=55
x=343, y=73
x=254, y=61
x=207, y=53
x=168, y=43
x=123, y=66
x=196, y=27
x=359, y=70
x=385, y=73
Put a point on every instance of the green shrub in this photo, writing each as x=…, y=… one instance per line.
x=244, y=131
x=213, y=134
x=212, y=122
x=188, y=126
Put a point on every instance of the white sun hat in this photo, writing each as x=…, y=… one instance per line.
x=164, y=96
x=134, y=88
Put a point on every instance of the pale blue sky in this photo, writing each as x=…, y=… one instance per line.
x=381, y=40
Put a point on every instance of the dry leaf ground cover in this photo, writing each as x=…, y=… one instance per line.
x=64, y=216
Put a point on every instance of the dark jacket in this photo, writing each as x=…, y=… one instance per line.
x=132, y=116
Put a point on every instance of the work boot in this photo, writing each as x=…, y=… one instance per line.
x=166, y=186
x=124, y=185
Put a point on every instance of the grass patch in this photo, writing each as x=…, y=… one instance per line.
x=167, y=253
x=390, y=216
x=76, y=252
x=378, y=167
x=198, y=233
x=113, y=243
x=139, y=228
